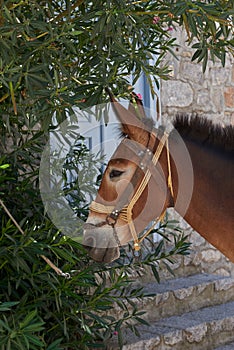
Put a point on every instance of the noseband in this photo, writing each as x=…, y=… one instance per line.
x=125, y=211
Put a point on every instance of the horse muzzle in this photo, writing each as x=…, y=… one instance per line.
x=100, y=243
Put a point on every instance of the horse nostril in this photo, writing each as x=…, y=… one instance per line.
x=89, y=242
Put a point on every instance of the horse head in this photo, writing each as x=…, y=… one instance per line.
x=134, y=188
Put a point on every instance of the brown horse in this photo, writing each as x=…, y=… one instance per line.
x=190, y=169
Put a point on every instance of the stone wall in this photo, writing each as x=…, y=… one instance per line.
x=189, y=90
x=203, y=258
x=211, y=95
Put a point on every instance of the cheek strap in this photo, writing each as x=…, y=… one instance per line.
x=125, y=213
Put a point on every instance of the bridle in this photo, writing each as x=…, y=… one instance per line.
x=124, y=210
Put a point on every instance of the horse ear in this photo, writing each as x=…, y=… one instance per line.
x=131, y=125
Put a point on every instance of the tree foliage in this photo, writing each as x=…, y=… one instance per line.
x=42, y=310
x=54, y=54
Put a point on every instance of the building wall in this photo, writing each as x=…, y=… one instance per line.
x=210, y=95
x=189, y=90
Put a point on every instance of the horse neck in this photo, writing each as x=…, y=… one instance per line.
x=210, y=210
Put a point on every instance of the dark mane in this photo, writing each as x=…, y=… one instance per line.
x=203, y=131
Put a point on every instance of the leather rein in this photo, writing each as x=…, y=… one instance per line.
x=125, y=211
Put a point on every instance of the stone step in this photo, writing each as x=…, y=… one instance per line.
x=185, y=294
x=179, y=295
x=203, y=329
x=229, y=346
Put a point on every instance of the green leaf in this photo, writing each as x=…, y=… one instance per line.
x=32, y=315
x=159, y=248
x=204, y=63
x=155, y=272
x=34, y=340
x=68, y=256
x=5, y=325
x=35, y=327
x=4, y=166
x=196, y=55
x=142, y=321
x=54, y=345
x=223, y=58
x=6, y=306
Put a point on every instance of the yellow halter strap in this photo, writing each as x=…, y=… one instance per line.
x=126, y=212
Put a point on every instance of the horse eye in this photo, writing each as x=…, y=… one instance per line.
x=115, y=173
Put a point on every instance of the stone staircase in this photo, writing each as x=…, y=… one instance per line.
x=186, y=313
x=229, y=346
